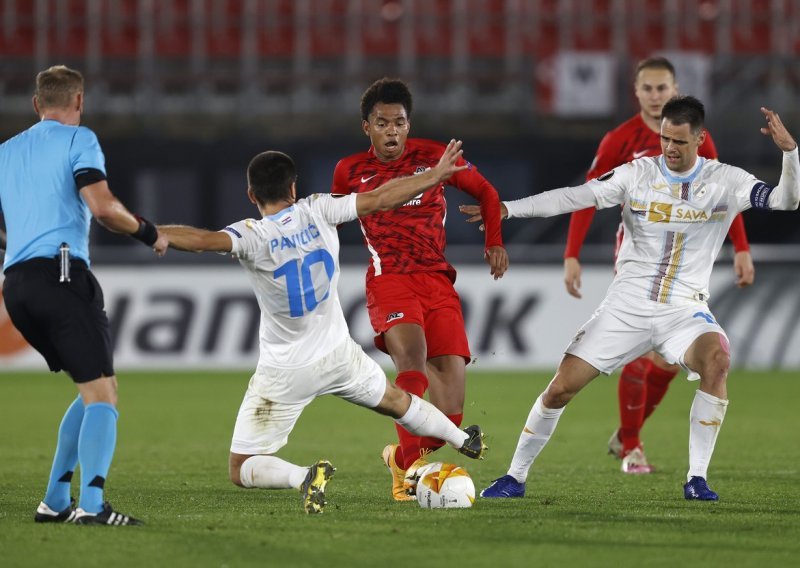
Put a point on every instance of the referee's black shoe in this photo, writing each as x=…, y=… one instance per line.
x=44, y=514
x=105, y=517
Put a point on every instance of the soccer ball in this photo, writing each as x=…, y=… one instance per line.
x=444, y=486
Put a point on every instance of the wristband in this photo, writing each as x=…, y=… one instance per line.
x=147, y=232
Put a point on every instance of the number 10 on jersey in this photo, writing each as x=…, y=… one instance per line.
x=301, y=285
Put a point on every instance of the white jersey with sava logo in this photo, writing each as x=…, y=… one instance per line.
x=292, y=260
x=674, y=226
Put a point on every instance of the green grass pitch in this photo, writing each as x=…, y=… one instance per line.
x=171, y=470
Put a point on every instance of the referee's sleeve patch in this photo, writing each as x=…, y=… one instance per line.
x=87, y=176
x=605, y=176
x=759, y=195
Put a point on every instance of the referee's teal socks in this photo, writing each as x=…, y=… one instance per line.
x=66, y=458
x=96, y=444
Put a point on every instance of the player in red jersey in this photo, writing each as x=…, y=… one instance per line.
x=643, y=382
x=413, y=306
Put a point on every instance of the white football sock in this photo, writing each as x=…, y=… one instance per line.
x=424, y=419
x=539, y=427
x=705, y=420
x=270, y=472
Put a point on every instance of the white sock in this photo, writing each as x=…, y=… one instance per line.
x=270, y=472
x=538, y=429
x=424, y=419
x=705, y=420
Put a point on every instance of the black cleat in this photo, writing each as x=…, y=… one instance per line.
x=105, y=517
x=473, y=446
x=45, y=514
x=313, y=487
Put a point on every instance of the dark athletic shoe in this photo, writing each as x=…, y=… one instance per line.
x=503, y=488
x=105, y=517
x=473, y=446
x=45, y=514
x=313, y=487
x=697, y=489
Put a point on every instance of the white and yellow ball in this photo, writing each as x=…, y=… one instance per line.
x=444, y=486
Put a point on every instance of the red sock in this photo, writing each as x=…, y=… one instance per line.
x=658, y=381
x=416, y=383
x=632, y=394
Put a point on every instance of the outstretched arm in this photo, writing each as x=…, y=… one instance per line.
x=114, y=216
x=546, y=204
x=786, y=195
x=393, y=194
x=474, y=184
x=191, y=239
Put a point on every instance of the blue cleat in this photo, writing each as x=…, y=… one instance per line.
x=504, y=487
x=697, y=489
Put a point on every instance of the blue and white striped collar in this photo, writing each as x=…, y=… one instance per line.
x=279, y=214
x=672, y=178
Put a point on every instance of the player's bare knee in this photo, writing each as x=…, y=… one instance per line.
x=556, y=396
x=715, y=366
x=720, y=363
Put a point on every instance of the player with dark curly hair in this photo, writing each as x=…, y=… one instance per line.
x=413, y=306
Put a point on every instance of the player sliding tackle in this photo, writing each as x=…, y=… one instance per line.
x=677, y=208
x=291, y=255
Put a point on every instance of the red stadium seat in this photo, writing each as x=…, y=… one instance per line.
x=750, y=28
x=17, y=34
x=173, y=28
x=119, y=29
x=486, y=28
x=275, y=29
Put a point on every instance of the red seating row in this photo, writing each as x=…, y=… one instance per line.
x=384, y=28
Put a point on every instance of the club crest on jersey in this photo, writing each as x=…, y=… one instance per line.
x=699, y=189
x=394, y=316
x=420, y=170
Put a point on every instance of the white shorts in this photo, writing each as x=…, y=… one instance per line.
x=623, y=329
x=275, y=398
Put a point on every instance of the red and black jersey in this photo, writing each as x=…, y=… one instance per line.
x=412, y=237
x=629, y=141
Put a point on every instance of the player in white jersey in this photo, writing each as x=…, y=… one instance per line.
x=291, y=256
x=677, y=209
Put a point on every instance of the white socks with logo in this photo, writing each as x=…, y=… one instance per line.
x=539, y=427
x=705, y=420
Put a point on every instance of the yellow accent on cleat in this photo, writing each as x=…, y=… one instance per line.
x=313, y=487
x=399, y=489
x=412, y=477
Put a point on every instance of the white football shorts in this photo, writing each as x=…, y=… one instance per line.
x=624, y=328
x=275, y=398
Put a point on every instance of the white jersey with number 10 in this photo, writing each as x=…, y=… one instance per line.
x=292, y=260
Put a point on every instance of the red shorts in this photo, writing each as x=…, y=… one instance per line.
x=427, y=299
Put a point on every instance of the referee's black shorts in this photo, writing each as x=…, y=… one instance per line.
x=64, y=321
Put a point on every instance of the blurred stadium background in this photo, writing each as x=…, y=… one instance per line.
x=182, y=93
